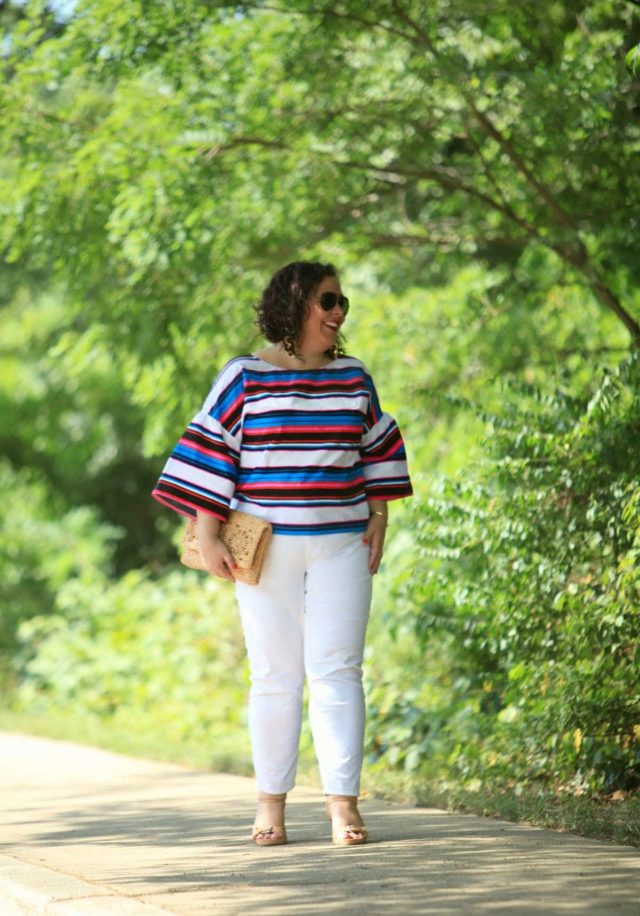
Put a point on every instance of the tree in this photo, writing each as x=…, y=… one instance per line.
x=163, y=148
x=472, y=166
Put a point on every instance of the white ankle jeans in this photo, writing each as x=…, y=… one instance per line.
x=308, y=614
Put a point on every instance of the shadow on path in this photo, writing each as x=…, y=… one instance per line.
x=179, y=838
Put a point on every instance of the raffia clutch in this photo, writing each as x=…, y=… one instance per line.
x=247, y=538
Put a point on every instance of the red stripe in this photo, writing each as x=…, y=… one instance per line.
x=308, y=484
x=165, y=499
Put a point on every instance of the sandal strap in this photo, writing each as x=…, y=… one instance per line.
x=350, y=835
x=269, y=828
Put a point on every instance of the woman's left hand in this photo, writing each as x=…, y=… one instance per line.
x=374, y=536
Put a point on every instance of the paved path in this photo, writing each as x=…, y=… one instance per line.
x=86, y=832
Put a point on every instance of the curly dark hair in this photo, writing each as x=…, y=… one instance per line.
x=282, y=308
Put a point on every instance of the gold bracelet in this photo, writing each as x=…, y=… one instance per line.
x=375, y=512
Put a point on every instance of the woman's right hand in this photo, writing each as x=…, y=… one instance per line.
x=215, y=554
x=217, y=557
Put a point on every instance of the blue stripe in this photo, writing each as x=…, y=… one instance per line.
x=197, y=459
x=271, y=420
x=336, y=528
x=226, y=398
x=285, y=474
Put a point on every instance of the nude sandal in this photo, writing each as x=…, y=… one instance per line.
x=270, y=834
x=347, y=834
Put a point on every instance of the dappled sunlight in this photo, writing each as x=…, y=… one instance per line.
x=157, y=831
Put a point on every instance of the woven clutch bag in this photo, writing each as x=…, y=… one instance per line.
x=247, y=538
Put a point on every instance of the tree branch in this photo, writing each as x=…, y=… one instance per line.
x=595, y=351
x=543, y=191
x=580, y=260
x=350, y=17
x=212, y=151
x=447, y=178
x=416, y=29
x=575, y=254
x=579, y=256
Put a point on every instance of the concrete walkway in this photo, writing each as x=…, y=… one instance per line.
x=86, y=832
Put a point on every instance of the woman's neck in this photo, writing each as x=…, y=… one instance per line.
x=305, y=360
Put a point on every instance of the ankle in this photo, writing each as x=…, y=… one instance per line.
x=271, y=806
x=343, y=808
x=349, y=800
x=268, y=797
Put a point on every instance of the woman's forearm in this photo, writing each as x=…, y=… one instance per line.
x=378, y=507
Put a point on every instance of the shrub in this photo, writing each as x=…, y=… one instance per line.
x=162, y=653
x=526, y=608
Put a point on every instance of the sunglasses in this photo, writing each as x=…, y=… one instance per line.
x=329, y=301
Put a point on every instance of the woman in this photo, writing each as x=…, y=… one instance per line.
x=294, y=434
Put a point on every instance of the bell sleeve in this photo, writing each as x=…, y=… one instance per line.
x=202, y=470
x=382, y=453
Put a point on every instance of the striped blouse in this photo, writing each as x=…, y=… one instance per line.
x=303, y=449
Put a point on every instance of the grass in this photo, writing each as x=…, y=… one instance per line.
x=613, y=818
x=616, y=820
x=140, y=739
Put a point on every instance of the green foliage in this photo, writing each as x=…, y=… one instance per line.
x=155, y=163
x=471, y=170
x=165, y=651
x=68, y=418
x=42, y=544
x=632, y=59
x=529, y=580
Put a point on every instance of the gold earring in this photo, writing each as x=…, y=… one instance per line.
x=289, y=346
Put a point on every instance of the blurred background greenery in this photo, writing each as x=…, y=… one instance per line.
x=471, y=169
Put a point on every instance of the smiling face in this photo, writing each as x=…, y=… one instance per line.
x=320, y=328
